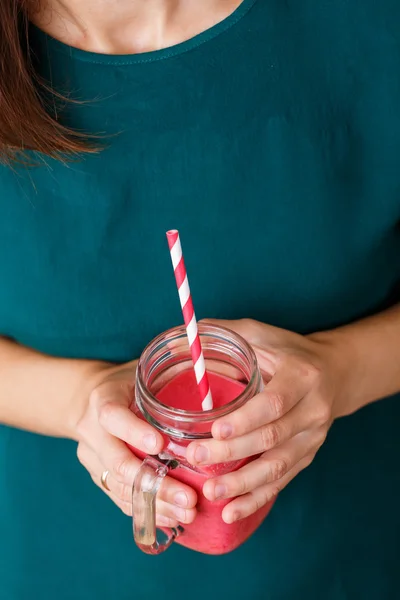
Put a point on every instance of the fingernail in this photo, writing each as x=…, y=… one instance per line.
x=180, y=513
x=220, y=491
x=150, y=442
x=181, y=499
x=225, y=430
x=201, y=454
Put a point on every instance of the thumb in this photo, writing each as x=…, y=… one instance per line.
x=263, y=338
x=113, y=402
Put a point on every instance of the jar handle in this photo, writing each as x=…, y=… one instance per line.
x=144, y=493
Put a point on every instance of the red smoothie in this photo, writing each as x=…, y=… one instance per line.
x=182, y=391
x=209, y=533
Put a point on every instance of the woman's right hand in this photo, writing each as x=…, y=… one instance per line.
x=104, y=429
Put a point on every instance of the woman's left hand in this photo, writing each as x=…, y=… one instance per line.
x=285, y=424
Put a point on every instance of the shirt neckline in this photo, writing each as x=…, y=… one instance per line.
x=155, y=55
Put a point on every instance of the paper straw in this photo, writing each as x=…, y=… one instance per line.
x=190, y=318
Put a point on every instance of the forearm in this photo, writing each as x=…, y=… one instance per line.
x=40, y=393
x=370, y=351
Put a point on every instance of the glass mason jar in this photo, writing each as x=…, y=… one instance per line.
x=229, y=358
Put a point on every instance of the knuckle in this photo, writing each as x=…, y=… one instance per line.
x=310, y=371
x=163, y=520
x=250, y=328
x=308, y=460
x=321, y=437
x=259, y=500
x=278, y=469
x=105, y=413
x=95, y=398
x=126, y=508
x=80, y=453
x=120, y=469
x=126, y=493
x=273, y=493
x=270, y=437
x=248, y=323
x=314, y=372
x=274, y=470
x=257, y=504
x=83, y=427
x=227, y=453
x=323, y=413
x=277, y=402
x=241, y=486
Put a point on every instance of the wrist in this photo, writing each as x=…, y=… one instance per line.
x=345, y=361
x=89, y=374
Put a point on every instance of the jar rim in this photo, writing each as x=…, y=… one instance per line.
x=200, y=415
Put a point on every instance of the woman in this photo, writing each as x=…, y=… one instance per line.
x=268, y=132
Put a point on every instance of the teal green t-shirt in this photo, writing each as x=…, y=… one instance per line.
x=272, y=141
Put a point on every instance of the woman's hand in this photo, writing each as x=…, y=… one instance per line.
x=106, y=425
x=285, y=424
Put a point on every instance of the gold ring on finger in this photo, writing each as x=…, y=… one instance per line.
x=103, y=480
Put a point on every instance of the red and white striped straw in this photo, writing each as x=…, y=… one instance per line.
x=189, y=317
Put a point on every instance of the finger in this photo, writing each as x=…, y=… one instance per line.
x=281, y=394
x=89, y=459
x=269, y=467
x=172, y=492
x=246, y=505
x=119, y=421
x=117, y=458
x=162, y=520
x=183, y=515
x=308, y=414
x=167, y=515
x=122, y=495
